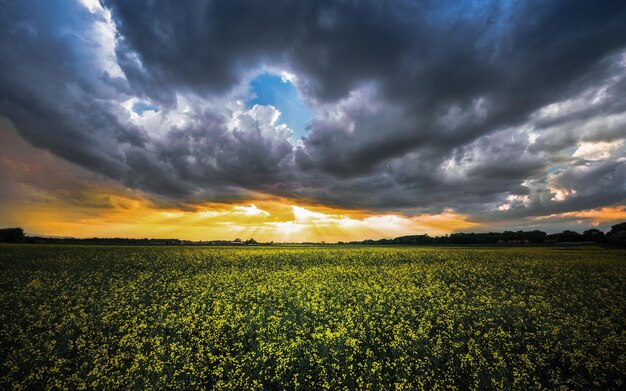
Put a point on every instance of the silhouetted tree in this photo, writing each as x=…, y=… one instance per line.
x=12, y=235
x=617, y=239
x=617, y=235
x=617, y=228
x=536, y=236
x=567, y=236
x=594, y=235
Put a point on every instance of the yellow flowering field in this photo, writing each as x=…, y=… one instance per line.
x=366, y=318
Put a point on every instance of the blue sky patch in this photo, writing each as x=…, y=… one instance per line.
x=270, y=89
x=140, y=107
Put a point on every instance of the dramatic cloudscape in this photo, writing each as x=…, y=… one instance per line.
x=311, y=120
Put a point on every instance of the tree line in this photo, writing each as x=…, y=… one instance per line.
x=616, y=236
x=17, y=235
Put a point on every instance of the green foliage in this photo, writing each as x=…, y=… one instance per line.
x=311, y=318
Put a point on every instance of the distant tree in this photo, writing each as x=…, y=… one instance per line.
x=571, y=236
x=536, y=236
x=617, y=235
x=617, y=238
x=618, y=227
x=11, y=235
x=250, y=241
x=238, y=240
x=412, y=240
x=594, y=235
x=508, y=235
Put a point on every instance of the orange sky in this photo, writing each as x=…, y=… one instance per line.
x=129, y=215
x=594, y=217
x=263, y=221
x=276, y=220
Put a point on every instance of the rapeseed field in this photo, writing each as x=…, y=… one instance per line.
x=323, y=318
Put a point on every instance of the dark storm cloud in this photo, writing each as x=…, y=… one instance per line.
x=206, y=46
x=424, y=56
x=543, y=54
x=601, y=185
x=421, y=105
x=48, y=86
x=214, y=155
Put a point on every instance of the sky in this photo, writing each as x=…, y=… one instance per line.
x=311, y=120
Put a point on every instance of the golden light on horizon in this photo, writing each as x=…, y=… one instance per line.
x=264, y=220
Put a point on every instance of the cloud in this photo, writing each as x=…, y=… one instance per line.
x=251, y=210
x=49, y=196
x=596, y=151
x=598, y=216
x=495, y=110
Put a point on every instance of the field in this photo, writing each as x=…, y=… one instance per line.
x=312, y=318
